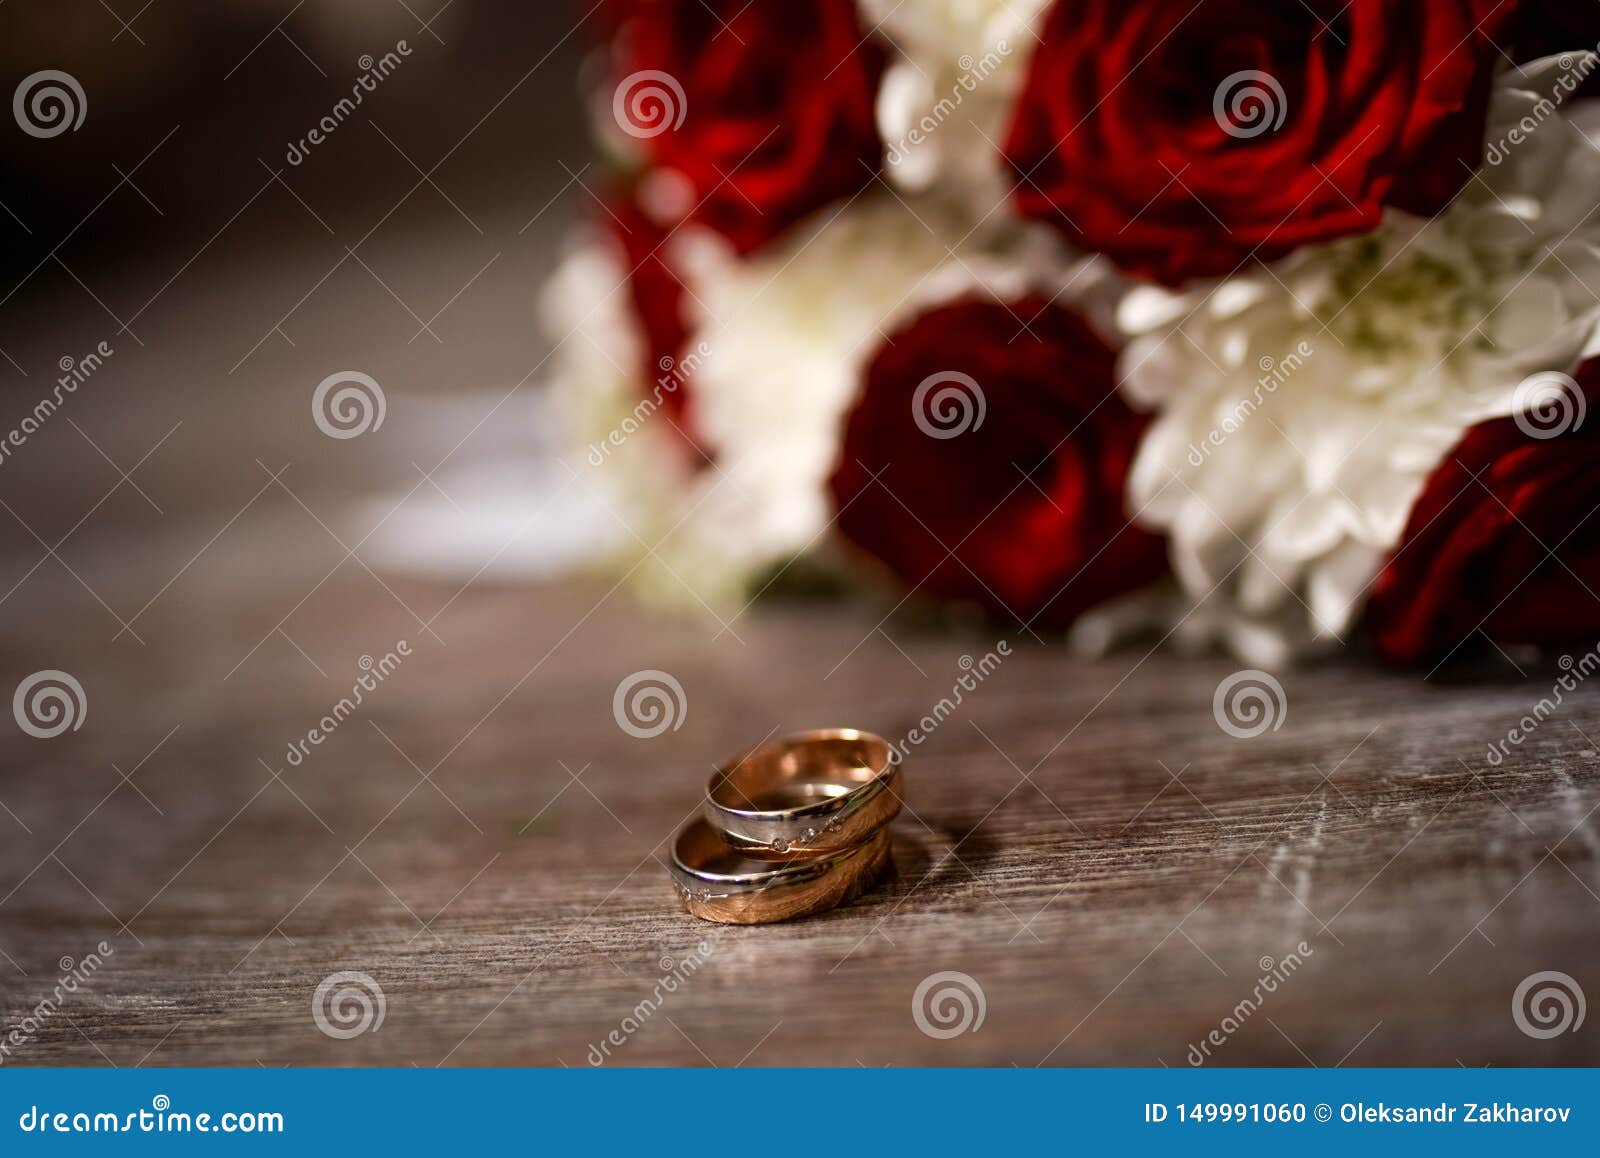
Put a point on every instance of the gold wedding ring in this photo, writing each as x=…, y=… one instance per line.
x=717, y=882
x=813, y=792
x=795, y=827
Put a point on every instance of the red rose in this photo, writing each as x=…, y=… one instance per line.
x=772, y=115
x=985, y=460
x=1505, y=540
x=657, y=296
x=1183, y=141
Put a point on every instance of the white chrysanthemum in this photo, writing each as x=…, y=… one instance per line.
x=789, y=332
x=619, y=442
x=1301, y=407
x=949, y=89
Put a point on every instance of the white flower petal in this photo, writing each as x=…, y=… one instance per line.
x=1298, y=475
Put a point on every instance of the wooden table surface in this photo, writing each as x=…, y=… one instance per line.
x=483, y=841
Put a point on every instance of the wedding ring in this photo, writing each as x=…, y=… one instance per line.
x=812, y=792
x=717, y=882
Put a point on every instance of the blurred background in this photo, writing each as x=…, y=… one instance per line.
x=172, y=225
x=231, y=266
x=240, y=79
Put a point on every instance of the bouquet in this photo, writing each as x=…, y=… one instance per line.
x=1263, y=326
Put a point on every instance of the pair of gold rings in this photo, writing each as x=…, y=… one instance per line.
x=795, y=827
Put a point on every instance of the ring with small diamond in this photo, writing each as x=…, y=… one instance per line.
x=794, y=827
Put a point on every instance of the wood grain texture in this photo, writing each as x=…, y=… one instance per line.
x=1109, y=868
